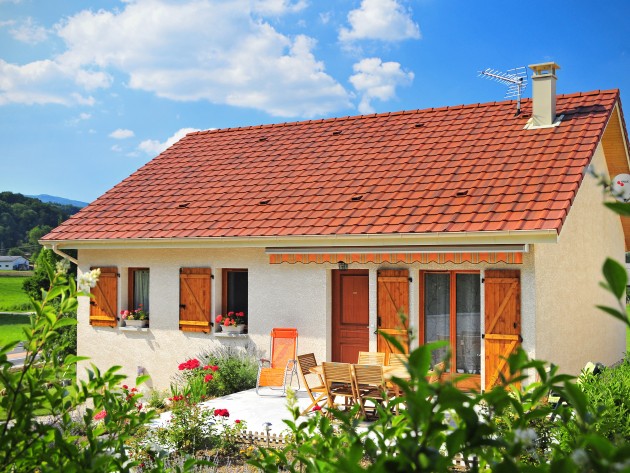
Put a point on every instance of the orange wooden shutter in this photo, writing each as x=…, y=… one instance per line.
x=104, y=304
x=393, y=300
x=194, y=299
x=502, y=289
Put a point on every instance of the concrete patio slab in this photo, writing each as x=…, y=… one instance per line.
x=255, y=410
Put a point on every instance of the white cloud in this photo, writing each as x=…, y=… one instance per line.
x=154, y=147
x=375, y=79
x=221, y=52
x=116, y=149
x=85, y=116
x=121, y=134
x=29, y=32
x=277, y=7
x=39, y=82
x=386, y=20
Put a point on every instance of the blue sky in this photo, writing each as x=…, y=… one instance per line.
x=92, y=90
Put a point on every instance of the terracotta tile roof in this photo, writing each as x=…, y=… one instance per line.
x=469, y=168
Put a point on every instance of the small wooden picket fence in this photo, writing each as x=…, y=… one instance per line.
x=270, y=440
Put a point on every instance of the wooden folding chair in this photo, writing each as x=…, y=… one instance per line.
x=435, y=375
x=371, y=358
x=399, y=360
x=316, y=389
x=370, y=386
x=277, y=372
x=339, y=383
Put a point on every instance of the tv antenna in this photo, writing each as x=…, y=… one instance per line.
x=515, y=79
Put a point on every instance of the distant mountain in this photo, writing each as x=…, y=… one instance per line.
x=58, y=200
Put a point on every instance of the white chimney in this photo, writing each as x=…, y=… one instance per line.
x=544, y=95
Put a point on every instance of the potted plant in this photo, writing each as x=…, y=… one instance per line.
x=135, y=318
x=233, y=322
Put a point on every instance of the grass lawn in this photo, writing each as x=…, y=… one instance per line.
x=11, y=327
x=12, y=298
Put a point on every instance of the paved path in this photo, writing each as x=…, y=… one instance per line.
x=17, y=355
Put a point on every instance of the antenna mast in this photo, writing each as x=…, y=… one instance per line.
x=515, y=79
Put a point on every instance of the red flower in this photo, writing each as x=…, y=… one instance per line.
x=100, y=415
x=207, y=367
x=139, y=406
x=237, y=421
x=219, y=319
x=317, y=408
x=240, y=314
x=207, y=378
x=214, y=368
x=231, y=313
x=189, y=365
x=124, y=386
x=221, y=413
x=134, y=390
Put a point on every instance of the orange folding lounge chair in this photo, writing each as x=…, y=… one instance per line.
x=277, y=372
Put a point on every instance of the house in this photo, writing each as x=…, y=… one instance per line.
x=478, y=224
x=13, y=263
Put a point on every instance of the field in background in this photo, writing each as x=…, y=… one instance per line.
x=11, y=327
x=12, y=298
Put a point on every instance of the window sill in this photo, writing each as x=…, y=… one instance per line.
x=230, y=335
x=134, y=329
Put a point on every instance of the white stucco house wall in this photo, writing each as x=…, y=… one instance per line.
x=479, y=224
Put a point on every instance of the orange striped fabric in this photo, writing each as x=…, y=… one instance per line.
x=424, y=258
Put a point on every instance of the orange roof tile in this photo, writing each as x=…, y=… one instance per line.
x=376, y=174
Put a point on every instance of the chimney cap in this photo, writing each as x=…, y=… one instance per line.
x=544, y=68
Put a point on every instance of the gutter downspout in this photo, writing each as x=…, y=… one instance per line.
x=63, y=255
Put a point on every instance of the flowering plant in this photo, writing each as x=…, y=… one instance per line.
x=232, y=318
x=137, y=314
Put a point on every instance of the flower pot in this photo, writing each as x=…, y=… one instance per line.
x=232, y=329
x=136, y=323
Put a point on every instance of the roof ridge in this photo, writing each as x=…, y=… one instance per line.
x=345, y=118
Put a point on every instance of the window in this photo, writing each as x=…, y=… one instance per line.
x=139, y=289
x=451, y=311
x=235, y=291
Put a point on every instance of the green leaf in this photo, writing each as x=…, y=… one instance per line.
x=616, y=277
x=619, y=208
x=615, y=313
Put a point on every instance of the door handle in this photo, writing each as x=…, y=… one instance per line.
x=182, y=306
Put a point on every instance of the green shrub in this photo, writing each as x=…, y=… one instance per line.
x=216, y=373
x=238, y=370
x=608, y=394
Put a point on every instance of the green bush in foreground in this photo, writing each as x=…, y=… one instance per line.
x=52, y=424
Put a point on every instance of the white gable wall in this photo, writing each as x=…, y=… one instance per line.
x=570, y=330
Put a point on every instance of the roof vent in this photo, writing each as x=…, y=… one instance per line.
x=262, y=138
x=544, y=96
x=461, y=193
x=336, y=132
x=183, y=205
x=264, y=202
x=419, y=125
x=356, y=198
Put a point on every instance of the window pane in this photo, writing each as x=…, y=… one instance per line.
x=141, y=289
x=437, y=311
x=237, y=291
x=468, y=295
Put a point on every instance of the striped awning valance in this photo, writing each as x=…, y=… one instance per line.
x=511, y=255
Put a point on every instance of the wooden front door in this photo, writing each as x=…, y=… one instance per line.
x=502, y=321
x=350, y=314
x=393, y=309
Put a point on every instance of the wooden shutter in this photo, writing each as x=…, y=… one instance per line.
x=502, y=290
x=194, y=299
x=104, y=303
x=393, y=300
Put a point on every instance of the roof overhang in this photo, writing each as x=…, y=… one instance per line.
x=452, y=239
